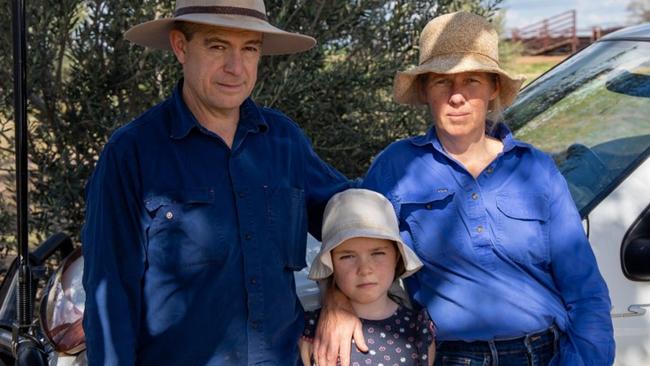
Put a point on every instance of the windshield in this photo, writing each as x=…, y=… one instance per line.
x=592, y=114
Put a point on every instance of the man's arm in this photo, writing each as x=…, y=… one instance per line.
x=113, y=261
x=321, y=182
x=337, y=326
x=337, y=323
x=579, y=281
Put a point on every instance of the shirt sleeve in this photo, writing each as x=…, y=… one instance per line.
x=589, y=333
x=311, y=320
x=321, y=182
x=426, y=334
x=113, y=261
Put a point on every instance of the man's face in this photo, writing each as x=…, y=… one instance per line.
x=219, y=67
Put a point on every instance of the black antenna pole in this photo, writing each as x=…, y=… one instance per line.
x=25, y=302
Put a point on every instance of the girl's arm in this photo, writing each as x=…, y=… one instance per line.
x=305, y=351
x=431, y=353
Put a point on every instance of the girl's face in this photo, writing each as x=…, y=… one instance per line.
x=364, y=268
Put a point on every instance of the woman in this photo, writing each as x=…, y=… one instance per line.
x=509, y=276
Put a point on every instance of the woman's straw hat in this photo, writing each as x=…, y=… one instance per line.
x=358, y=213
x=455, y=43
x=238, y=14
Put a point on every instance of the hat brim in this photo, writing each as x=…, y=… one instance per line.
x=275, y=41
x=406, y=89
x=322, y=266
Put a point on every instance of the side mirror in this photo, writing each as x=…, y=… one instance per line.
x=635, y=258
x=635, y=250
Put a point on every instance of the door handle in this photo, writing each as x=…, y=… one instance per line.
x=633, y=310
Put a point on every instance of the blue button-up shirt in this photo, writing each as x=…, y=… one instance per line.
x=504, y=254
x=190, y=247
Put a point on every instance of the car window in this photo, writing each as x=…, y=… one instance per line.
x=592, y=114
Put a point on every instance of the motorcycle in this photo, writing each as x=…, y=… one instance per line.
x=55, y=335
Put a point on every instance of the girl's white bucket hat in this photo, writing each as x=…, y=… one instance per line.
x=451, y=44
x=237, y=14
x=357, y=213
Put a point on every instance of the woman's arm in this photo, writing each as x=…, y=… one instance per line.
x=337, y=326
x=579, y=282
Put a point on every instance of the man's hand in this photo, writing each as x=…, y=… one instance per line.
x=337, y=325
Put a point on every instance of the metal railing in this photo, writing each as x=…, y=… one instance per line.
x=549, y=34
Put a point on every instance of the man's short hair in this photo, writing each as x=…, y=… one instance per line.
x=188, y=29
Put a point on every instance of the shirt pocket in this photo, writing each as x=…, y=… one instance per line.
x=429, y=218
x=521, y=228
x=287, y=219
x=182, y=232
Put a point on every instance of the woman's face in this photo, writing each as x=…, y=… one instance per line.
x=459, y=102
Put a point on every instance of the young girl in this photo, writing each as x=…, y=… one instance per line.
x=364, y=256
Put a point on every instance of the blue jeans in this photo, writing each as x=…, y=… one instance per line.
x=536, y=349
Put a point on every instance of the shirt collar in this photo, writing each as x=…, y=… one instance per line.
x=499, y=131
x=251, y=119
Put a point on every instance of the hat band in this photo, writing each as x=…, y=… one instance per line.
x=459, y=53
x=229, y=10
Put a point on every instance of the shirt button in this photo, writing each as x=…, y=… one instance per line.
x=255, y=324
x=241, y=194
x=428, y=206
x=479, y=229
x=253, y=281
x=248, y=236
x=474, y=196
x=490, y=170
x=169, y=215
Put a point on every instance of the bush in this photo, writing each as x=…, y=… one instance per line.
x=85, y=80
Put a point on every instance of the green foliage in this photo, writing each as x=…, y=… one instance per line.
x=341, y=92
x=639, y=10
x=85, y=80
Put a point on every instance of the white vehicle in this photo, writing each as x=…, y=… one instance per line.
x=592, y=114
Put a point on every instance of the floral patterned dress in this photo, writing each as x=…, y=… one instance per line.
x=399, y=340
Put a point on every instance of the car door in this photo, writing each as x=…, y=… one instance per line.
x=608, y=224
x=591, y=114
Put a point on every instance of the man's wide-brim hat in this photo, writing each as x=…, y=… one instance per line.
x=356, y=213
x=247, y=15
x=454, y=43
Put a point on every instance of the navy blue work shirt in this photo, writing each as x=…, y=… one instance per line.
x=504, y=254
x=190, y=246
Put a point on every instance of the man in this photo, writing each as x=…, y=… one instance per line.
x=198, y=210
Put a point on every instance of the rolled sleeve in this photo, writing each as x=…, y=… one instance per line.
x=589, y=330
x=114, y=262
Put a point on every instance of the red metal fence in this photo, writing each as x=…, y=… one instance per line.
x=549, y=34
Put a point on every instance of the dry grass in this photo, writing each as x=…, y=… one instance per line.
x=533, y=66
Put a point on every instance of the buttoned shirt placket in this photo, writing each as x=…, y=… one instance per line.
x=249, y=214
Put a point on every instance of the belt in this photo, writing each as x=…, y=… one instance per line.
x=526, y=342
